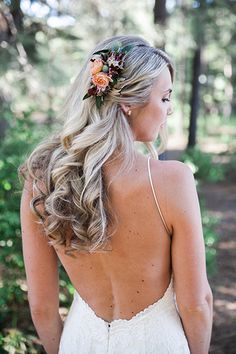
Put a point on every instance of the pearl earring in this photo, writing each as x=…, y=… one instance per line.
x=129, y=112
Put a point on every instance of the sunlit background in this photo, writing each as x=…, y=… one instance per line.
x=42, y=47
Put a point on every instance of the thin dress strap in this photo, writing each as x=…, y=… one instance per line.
x=155, y=198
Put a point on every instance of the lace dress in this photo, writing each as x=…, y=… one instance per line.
x=155, y=330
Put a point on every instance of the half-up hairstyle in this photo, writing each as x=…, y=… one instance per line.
x=69, y=193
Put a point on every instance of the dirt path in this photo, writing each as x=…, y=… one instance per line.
x=220, y=201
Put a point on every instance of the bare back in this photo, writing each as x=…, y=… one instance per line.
x=136, y=273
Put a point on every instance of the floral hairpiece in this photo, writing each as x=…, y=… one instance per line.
x=105, y=67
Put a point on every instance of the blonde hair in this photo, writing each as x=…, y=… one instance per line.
x=67, y=171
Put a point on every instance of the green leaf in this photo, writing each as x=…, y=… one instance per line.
x=86, y=96
x=117, y=46
x=127, y=48
x=102, y=51
x=99, y=100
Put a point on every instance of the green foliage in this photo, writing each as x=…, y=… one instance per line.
x=21, y=136
x=16, y=342
x=202, y=165
x=12, y=284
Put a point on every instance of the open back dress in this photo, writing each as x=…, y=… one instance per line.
x=155, y=330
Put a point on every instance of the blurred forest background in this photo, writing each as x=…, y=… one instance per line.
x=42, y=46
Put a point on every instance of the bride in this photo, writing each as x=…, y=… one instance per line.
x=125, y=226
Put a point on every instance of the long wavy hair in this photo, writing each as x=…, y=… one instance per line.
x=70, y=196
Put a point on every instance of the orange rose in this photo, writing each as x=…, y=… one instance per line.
x=96, y=66
x=101, y=80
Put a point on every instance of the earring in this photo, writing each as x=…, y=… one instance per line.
x=129, y=112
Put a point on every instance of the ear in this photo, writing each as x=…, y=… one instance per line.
x=125, y=108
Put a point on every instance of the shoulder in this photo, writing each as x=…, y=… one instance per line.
x=173, y=172
x=179, y=179
x=176, y=184
x=174, y=167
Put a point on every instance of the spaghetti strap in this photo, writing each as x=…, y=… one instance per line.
x=155, y=198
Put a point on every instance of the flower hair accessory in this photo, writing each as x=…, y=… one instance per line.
x=105, y=67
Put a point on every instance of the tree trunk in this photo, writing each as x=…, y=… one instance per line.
x=160, y=13
x=233, y=76
x=17, y=14
x=194, y=102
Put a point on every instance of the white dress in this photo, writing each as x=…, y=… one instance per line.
x=155, y=330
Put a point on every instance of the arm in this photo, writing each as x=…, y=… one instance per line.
x=42, y=277
x=193, y=294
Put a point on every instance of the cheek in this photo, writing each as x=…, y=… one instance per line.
x=159, y=112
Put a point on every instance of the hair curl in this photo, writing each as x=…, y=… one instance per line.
x=67, y=171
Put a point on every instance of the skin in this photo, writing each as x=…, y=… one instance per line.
x=147, y=121
x=124, y=285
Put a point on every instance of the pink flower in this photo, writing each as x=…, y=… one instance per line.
x=96, y=66
x=101, y=80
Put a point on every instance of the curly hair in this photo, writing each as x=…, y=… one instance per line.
x=67, y=170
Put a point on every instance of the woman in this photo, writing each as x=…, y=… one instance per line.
x=126, y=227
